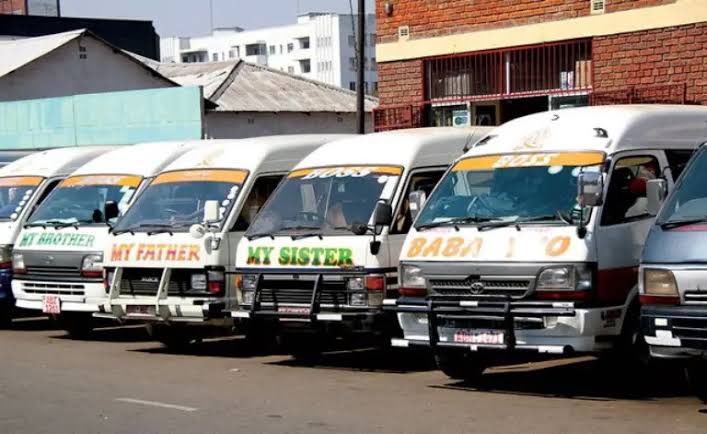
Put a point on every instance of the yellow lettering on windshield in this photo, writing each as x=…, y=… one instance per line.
x=505, y=161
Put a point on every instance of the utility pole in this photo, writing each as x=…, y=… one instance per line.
x=361, y=80
x=211, y=13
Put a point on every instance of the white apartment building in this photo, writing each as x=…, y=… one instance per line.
x=320, y=46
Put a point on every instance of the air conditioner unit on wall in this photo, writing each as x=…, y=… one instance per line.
x=598, y=6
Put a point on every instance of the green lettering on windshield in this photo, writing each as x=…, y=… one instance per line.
x=302, y=256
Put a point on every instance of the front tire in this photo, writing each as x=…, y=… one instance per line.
x=460, y=365
x=7, y=312
x=78, y=325
x=696, y=375
x=172, y=337
x=306, y=348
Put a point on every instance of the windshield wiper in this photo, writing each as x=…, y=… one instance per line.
x=517, y=222
x=455, y=221
x=57, y=224
x=157, y=229
x=672, y=224
x=260, y=235
x=307, y=235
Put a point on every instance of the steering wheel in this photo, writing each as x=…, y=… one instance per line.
x=479, y=202
x=309, y=217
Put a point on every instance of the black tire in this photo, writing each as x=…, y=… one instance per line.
x=696, y=375
x=173, y=337
x=632, y=351
x=306, y=348
x=78, y=325
x=7, y=312
x=460, y=364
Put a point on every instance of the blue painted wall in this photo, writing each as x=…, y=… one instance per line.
x=117, y=118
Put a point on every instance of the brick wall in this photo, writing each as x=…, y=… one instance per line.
x=428, y=18
x=12, y=6
x=653, y=58
x=400, y=82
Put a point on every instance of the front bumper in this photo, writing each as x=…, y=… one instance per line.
x=675, y=332
x=315, y=313
x=75, y=296
x=206, y=311
x=537, y=326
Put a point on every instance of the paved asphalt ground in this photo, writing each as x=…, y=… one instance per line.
x=120, y=382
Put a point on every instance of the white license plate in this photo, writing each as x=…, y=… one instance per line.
x=489, y=337
x=51, y=304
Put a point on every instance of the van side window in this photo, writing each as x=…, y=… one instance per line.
x=677, y=160
x=626, y=195
x=261, y=191
x=419, y=181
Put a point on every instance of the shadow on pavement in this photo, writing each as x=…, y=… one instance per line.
x=585, y=380
x=366, y=360
x=30, y=323
x=230, y=346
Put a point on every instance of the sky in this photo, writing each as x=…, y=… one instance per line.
x=191, y=17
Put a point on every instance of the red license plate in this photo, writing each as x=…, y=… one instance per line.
x=297, y=310
x=51, y=304
x=488, y=337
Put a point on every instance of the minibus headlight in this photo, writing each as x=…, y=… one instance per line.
x=355, y=283
x=556, y=278
x=18, y=263
x=6, y=256
x=198, y=282
x=578, y=277
x=248, y=297
x=412, y=277
x=659, y=282
x=92, y=265
x=249, y=282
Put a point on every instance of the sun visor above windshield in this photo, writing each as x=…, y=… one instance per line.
x=82, y=181
x=21, y=181
x=343, y=171
x=210, y=175
x=530, y=160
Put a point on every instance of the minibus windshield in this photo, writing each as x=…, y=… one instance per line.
x=326, y=200
x=514, y=188
x=15, y=192
x=689, y=201
x=175, y=200
x=82, y=199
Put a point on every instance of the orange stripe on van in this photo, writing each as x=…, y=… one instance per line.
x=530, y=160
x=80, y=181
x=381, y=170
x=210, y=175
x=20, y=181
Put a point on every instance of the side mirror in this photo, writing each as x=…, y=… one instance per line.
x=110, y=210
x=656, y=191
x=359, y=228
x=197, y=231
x=211, y=211
x=590, y=186
x=383, y=214
x=416, y=200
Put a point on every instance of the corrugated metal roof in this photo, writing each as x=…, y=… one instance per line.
x=238, y=86
x=16, y=53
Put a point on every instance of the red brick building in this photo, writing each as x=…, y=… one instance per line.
x=444, y=62
x=18, y=7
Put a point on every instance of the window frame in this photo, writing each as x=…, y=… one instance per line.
x=251, y=190
x=405, y=193
x=615, y=159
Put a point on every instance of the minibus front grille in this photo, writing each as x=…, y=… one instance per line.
x=696, y=298
x=482, y=286
x=692, y=332
x=299, y=291
x=146, y=282
x=37, y=272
